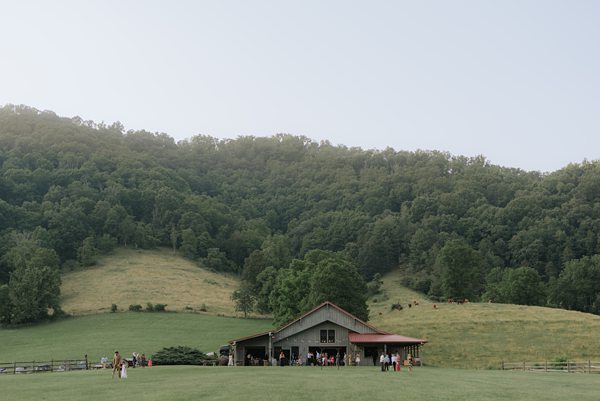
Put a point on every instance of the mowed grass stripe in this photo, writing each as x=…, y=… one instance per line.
x=101, y=334
x=306, y=383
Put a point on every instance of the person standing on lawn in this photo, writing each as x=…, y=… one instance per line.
x=116, y=364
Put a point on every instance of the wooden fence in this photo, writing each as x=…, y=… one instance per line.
x=547, y=366
x=64, y=365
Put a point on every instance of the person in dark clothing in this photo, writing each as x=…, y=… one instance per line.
x=281, y=359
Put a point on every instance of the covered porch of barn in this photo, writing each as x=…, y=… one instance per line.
x=373, y=345
x=255, y=350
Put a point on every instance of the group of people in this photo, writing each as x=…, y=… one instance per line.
x=324, y=359
x=395, y=361
x=120, y=364
x=317, y=358
x=139, y=360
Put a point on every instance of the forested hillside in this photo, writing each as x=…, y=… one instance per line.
x=301, y=221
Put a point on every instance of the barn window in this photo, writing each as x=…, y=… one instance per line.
x=327, y=336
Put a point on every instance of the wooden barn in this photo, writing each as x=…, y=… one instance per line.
x=327, y=328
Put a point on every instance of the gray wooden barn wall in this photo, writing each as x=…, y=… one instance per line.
x=325, y=313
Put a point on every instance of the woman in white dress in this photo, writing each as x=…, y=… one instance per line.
x=124, y=370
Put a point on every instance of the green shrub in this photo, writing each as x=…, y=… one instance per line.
x=374, y=286
x=135, y=308
x=149, y=307
x=113, y=308
x=203, y=308
x=422, y=284
x=106, y=243
x=560, y=359
x=380, y=298
x=179, y=355
x=160, y=307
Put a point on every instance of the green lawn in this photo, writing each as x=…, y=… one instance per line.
x=100, y=335
x=224, y=383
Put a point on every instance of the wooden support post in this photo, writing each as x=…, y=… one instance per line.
x=502, y=365
x=523, y=366
x=546, y=366
x=14, y=368
x=589, y=366
x=568, y=367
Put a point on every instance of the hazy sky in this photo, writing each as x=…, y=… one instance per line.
x=517, y=81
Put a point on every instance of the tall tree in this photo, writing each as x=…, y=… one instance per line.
x=244, y=300
x=578, y=286
x=338, y=280
x=459, y=269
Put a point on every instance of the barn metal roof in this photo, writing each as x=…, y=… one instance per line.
x=383, y=338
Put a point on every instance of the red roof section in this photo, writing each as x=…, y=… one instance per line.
x=383, y=338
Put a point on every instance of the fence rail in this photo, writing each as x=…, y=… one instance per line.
x=62, y=365
x=547, y=366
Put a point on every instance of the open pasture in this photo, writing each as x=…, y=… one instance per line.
x=129, y=276
x=304, y=383
x=482, y=335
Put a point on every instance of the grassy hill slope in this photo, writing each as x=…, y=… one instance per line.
x=101, y=334
x=137, y=277
x=481, y=335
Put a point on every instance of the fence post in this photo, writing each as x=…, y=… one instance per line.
x=589, y=366
x=568, y=367
x=546, y=366
x=523, y=366
x=14, y=368
x=502, y=365
x=52, y=365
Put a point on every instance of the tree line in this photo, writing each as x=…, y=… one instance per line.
x=294, y=217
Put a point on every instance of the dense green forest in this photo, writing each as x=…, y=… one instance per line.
x=300, y=221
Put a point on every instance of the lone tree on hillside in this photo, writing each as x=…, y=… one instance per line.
x=244, y=300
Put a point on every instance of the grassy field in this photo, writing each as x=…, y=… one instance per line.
x=482, y=335
x=250, y=384
x=101, y=334
x=131, y=276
